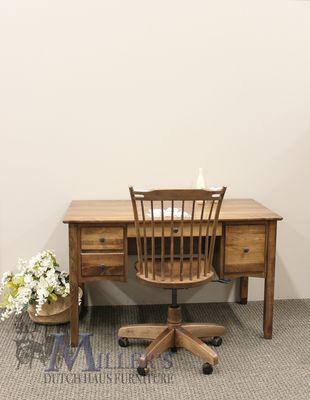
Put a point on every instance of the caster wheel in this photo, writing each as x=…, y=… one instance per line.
x=123, y=342
x=217, y=341
x=207, y=369
x=143, y=371
x=173, y=349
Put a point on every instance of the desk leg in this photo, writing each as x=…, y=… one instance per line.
x=269, y=280
x=82, y=286
x=74, y=283
x=244, y=285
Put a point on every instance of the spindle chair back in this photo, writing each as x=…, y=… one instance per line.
x=176, y=232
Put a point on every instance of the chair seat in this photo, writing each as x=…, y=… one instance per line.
x=173, y=280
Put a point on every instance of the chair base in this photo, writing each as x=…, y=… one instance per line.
x=172, y=335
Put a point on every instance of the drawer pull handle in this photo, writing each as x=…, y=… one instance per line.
x=175, y=230
x=246, y=250
x=102, y=240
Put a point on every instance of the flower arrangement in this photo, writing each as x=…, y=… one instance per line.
x=37, y=282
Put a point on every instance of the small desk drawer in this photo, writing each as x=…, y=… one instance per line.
x=102, y=238
x=245, y=249
x=101, y=264
x=131, y=230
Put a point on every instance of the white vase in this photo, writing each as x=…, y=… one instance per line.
x=200, y=184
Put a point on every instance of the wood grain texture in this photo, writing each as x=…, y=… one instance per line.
x=174, y=317
x=241, y=274
x=172, y=270
x=174, y=334
x=244, y=287
x=74, y=261
x=131, y=230
x=184, y=338
x=142, y=331
x=114, y=219
x=102, y=238
x=95, y=278
x=120, y=211
x=269, y=280
x=178, y=194
x=99, y=264
x=171, y=274
x=162, y=343
x=203, y=330
x=245, y=248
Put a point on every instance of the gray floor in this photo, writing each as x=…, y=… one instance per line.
x=250, y=367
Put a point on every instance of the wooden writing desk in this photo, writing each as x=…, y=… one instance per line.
x=102, y=234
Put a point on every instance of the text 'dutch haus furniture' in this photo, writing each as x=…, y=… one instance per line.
x=102, y=234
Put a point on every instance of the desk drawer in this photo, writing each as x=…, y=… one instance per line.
x=245, y=248
x=131, y=230
x=101, y=264
x=102, y=238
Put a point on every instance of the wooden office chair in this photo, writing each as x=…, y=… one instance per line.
x=176, y=232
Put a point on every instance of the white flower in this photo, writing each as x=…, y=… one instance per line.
x=37, y=281
x=5, y=276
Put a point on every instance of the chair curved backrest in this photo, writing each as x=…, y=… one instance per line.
x=166, y=222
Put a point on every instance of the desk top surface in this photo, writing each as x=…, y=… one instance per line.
x=120, y=211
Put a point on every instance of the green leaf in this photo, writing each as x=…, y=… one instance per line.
x=52, y=297
x=14, y=291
